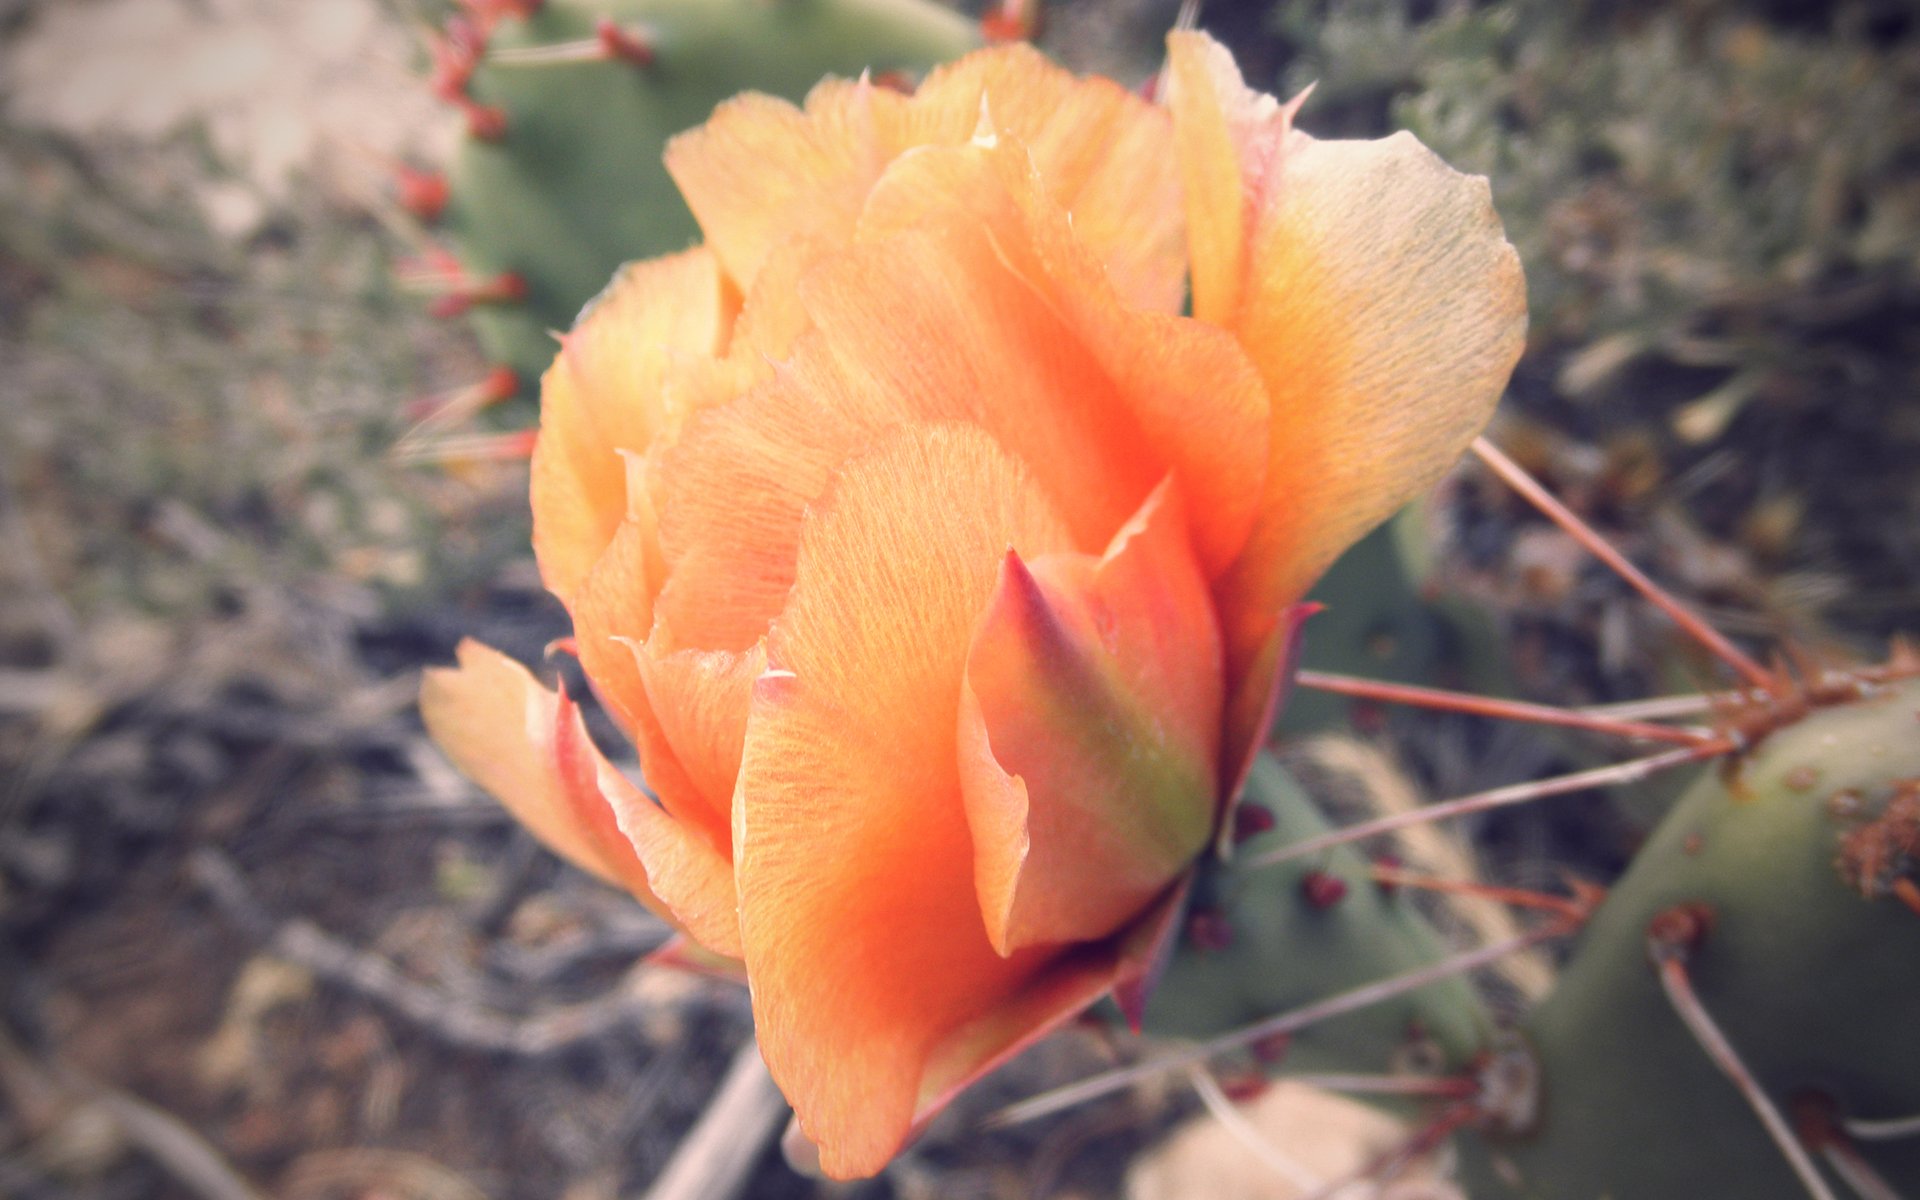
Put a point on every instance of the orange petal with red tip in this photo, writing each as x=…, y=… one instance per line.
x=1090, y=733
x=604, y=395
x=1373, y=289
x=863, y=936
x=528, y=748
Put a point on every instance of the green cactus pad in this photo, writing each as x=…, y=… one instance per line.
x=1284, y=952
x=1811, y=967
x=576, y=186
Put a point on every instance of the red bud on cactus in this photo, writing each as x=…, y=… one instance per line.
x=422, y=193
x=625, y=43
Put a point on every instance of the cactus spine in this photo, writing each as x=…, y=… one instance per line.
x=1798, y=863
x=569, y=105
x=1304, y=930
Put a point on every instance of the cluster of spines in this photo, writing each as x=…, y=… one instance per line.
x=457, y=51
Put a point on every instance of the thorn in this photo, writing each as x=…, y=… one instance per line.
x=1678, y=932
x=469, y=448
x=1673, y=937
x=487, y=122
x=1420, y=1143
x=1630, y=771
x=1885, y=1129
x=1516, y=477
x=1291, y=1021
x=1574, y=910
x=1321, y=890
x=490, y=12
x=1251, y=820
x=1488, y=706
x=456, y=52
x=1907, y=892
x=422, y=193
x=457, y=404
x=1221, y=1105
x=508, y=287
x=1271, y=1051
x=630, y=44
x=435, y=265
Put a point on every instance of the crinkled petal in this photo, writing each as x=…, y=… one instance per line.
x=528, y=747
x=1375, y=292
x=919, y=327
x=1189, y=387
x=762, y=175
x=1099, y=151
x=603, y=395
x=863, y=936
x=1089, y=733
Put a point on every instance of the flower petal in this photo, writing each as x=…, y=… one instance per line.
x=528, y=747
x=761, y=174
x=863, y=936
x=920, y=327
x=1375, y=292
x=1193, y=394
x=603, y=395
x=1100, y=151
x=1089, y=733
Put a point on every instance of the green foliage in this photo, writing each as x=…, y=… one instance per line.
x=1810, y=965
x=575, y=186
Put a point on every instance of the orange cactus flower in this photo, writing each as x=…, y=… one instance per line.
x=940, y=569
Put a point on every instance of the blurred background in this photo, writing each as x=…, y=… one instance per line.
x=257, y=939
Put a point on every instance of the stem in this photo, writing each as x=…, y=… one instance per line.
x=1488, y=706
x=1516, y=477
x=1519, y=793
x=1699, y=1022
x=1095, y=1086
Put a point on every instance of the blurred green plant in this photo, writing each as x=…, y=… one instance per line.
x=1690, y=183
